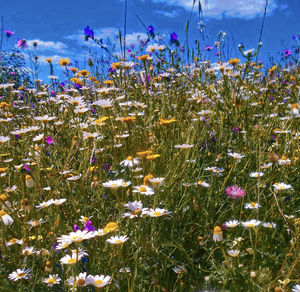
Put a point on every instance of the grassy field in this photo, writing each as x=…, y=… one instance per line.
x=163, y=177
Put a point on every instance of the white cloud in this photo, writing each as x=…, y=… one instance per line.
x=48, y=45
x=230, y=8
x=171, y=14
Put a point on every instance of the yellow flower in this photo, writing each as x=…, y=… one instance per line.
x=115, y=65
x=49, y=60
x=234, y=61
x=127, y=119
x=64, y=62
x=4, y=104
x=166, y=122
x=83, y=73
x=77, y=81
x=101, y=120
x=144, y=58
x=144, y=153
x=74, y=70
x=153, y=156
x=111, y=226
x=108, y=82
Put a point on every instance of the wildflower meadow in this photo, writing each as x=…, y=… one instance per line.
x=157, y=169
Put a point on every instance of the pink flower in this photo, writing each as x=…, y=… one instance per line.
x=21, y=43
x=235, y=192
x=49, y=140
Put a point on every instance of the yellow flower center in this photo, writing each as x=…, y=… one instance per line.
x=252, y=204
x=26, y=252
x=85, y=219
x=98, y=282
x=13, y=241
x=136, y=212
x=80, y=282
x=52, y=281
x=77, y=238
x=157, y=213
x=129, y=158
x=21, y=275
x=250, y=225
x=142, y=189
x=71, y=261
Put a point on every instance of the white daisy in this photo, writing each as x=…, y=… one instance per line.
x=117, y=239
x=232, y=223
x=251, y=223
x=144, y=190
x=19, y=274
x=98, y=281
x=52, y=280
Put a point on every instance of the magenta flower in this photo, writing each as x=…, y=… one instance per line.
x=8, y=33
x=235, y=192
x=49, y=140
x=286, y=53
x=21, y=43
x=208, y=48
x=26, y=167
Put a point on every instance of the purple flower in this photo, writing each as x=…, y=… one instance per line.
x=54, y=246
x=49, y=140
x=21, y=43
x=174, y=38
x=286, y=53
x=88, y=33
x=235, y=130
x=151, y=31
x=88, y=226
x=208, y=48
x=76, y=227
x=8, y=33
x=26, y=168
x=235, y=192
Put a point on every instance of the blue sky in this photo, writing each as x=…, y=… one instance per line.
x=58, y=25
